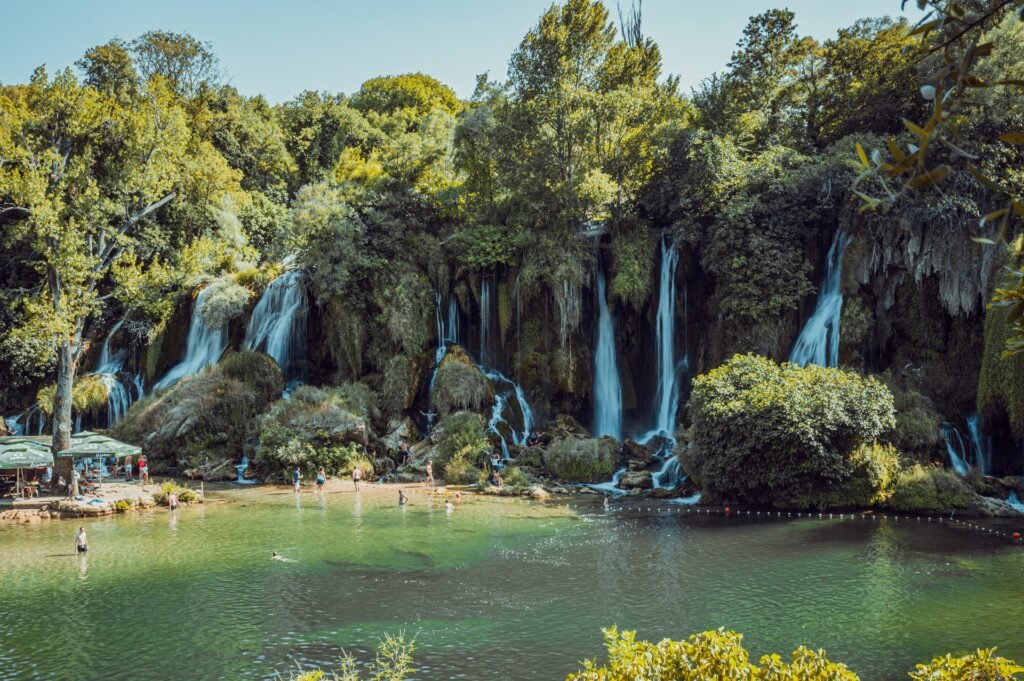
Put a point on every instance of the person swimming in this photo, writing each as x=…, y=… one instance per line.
x=277, y=556
x=448, y=506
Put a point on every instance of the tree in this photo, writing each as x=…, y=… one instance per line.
x=110, y=70
x=89, y=175
x=187, y=64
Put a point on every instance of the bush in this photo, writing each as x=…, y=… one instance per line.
x=777, y=434
x=582, y=460
x=185, y=495
x=225, y=301
x=393, y=662
x=208, y=414
x=459, y=471
x=929, y=488
x=709, y=655
x=460, y=385
x=461, y=435
x=306, y=429
x=917, y=429
x=339, y=459
x=514, y=477
x=121, y=506
x=983, y=665
x=874, y=470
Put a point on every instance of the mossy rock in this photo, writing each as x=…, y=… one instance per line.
x=927, y=489
x=460, y=385
x=582, y=460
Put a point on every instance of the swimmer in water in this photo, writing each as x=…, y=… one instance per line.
x=277, y=556
x=448, y=506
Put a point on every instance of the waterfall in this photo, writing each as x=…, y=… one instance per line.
x=670, y=474
x=956, y=448
x=501, y=401
x=667, y=396
x=1015, y=502
x=119, y=384
x=439, y=355
x=202, y=349
x=278, y=324
x=485, y=319
x=819, y=341
x=981, y=444
x=452, y=330
x=607, y=388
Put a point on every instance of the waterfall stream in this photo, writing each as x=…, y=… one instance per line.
x=955, y=448
x=818, y=343
x=203, y=347
x=122, y=387
x=278, y=325
x=607, y=387
x=981, y=444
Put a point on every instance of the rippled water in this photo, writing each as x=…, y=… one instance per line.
x=498, y=589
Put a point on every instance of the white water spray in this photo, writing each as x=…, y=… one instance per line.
x=819, y=341
x=607, y=387
x=278, y=324
x=202, y=349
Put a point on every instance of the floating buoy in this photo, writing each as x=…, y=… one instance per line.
x=727, y=510
x=1016, y=536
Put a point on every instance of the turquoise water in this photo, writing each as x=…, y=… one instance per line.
x=497, y=589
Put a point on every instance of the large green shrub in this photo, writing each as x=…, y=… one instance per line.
x=461, y=436
x=874, y=470
x=917, y=431
x=582, y=460
x=460, y=385
x=720, y=655
x=929, y=488
x=205, y=415
x=315, y=427
x=1001, y=384
x=88, y=396
x=777, y=434
x=224, y=301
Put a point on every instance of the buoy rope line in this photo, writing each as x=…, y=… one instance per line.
x=950, y=521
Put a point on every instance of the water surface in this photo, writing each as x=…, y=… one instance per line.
x=498, y=589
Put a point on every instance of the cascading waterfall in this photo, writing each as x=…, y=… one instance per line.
x=668, y=394
x=439, y=355
x=485, y=319
x=607, y=387
x=119, y=384
x=1014, y=501
x=981, y=444
x=955, y=448
x=278, y=325
x=452, y=330
x=14, y=425
x=818, y=343
x=202, y=349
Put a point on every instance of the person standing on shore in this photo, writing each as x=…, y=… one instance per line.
x=128, y=468
x=430, y=473
x=321, y=478
x=296, y=477
x=74, y=482
x=143, y=469
x=357, y=475
x=403, y=498
x=81, y=543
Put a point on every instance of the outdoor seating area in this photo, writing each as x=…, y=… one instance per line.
x=27, y=466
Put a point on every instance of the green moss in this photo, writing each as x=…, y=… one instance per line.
x=461, y=436
x=921, y=489
x=586, y=460
x=460, y=385
x=632, y=246
x=1001, y=384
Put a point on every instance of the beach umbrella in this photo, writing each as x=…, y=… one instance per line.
x=88, y=444
x=17, y=453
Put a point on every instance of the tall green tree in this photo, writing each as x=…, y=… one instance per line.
x=88, y=175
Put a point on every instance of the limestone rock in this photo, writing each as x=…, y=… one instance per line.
x=636, y=480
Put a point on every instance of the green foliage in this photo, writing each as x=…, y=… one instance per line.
x=459, y=470
x=185, y=495
x=1001, y=384
x=225, y=301
x=922, y=489
x=484, y=247
x=414, y=93
x=512, y=476
x=982, y=665
x=769, y=433
x=917, y=430
x=393, y=662
x=460, y=385
x=317, y=427
x=88, y=396
x=709, y=655
x=121, y=506
x=633, y=253
x=461, y=436
x=582, y=460
x=873, y=474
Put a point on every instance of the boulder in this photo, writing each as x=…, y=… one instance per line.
x=538, y=493
x=399, y=430
x=993, y=508
x=636, y=480
x=565, y=426
x=383, y=466
x=637, y=454
x=582, y=460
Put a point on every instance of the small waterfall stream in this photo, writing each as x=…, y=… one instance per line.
x=955, y=448
x=122, y=387
x=203, y=347
x=818, y=343
x=981, y=445
x=278, y=325
x=607, y=387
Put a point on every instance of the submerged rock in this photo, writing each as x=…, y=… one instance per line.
x=637, y=480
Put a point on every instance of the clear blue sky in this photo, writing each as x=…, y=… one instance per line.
x=279, y=49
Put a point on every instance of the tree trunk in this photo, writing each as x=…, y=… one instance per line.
x=62, y=410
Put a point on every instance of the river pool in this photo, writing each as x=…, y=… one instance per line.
x=497, y=589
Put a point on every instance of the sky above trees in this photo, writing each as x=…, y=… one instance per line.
x=280, y=49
